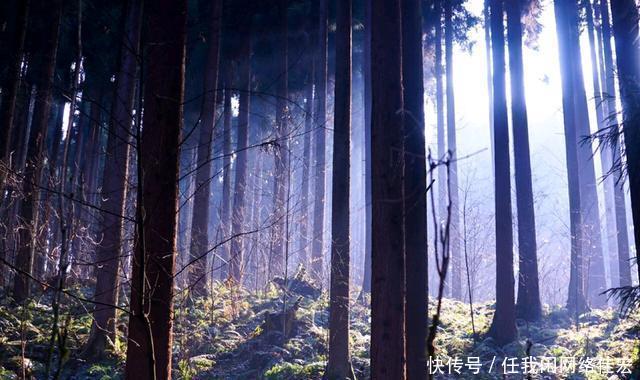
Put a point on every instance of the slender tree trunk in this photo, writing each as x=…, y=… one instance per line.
x=487, y=49
x=528, y=306
x=200, y=222
x=576, y=302
x=339, y=364
x=152, y=286
x=47, y=235
x=23, y=125
x=592, y=238
x=236, y=260
x=387, y=137
x=188, y=172
x=625, y=30
x=29, y=210
x=79, y=249
x=415, y=191
x=366, y=280
x=442, y=151
x=454, y=238
x=282, y=148
x=503, y=327
x=65, y=213
x=624, y=265
x=306, y=172
x=8, y=208
x=605, y=151
x=256, y=216
x=114, y=190
x=10, y=92
x=94, y=152
x=317, y=252
x=8, y=10
x=225, y=220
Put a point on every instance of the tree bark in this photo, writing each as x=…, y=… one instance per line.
x=317, y=252
x=225, y=220
x=281, y=182
x=487, y=48
x=366, y=279
x=305, y=221
x=622, y=234
x=528, y=306
x=440, y=113
x=454, y=223
x=625, y=17
x=387, y=137
x=151, y=321
x=29, y=210
x=10, y=91
x=415, y=191
x=339, y=364
x=605, y=150
x=114, y=190
x=503, y=327
x=23, y=108
x=200, y=221
x=592, y=236
x=236, y=263
x=576, y=302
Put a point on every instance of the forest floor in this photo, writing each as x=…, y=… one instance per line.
x=239, y=335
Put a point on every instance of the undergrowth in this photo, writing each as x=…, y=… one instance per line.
x=225, y=337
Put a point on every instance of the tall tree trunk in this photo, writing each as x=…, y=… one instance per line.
x=441, y=138
x=576, y=302
x=625, y=30
x=282, y=148
x=503, y=327
x=47, y=236
x=240, y=209
x=94, y=156
x=387, y=137
x=415, y=191
x=454, y=226
x=10, y=92
x=200, y=222
x=317, y=252
x=366, y=278
x=339, y=364
x=23, y=124
x=225, y=220
x=306, y=172
x=592, y=237
x=29, y=210
x=256, y=216
x=487, y=49
x=605, y=151
x=79, y=246
x=10, y=209
x=151, y=320
x=8, y=10
x=64, y=186
x=622, y=235
x=528, y=306
x=114, y=189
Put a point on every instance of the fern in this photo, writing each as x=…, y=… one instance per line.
x=628, y=298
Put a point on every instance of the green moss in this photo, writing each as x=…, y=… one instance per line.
x=222, y=336
x=291, y=371
x=103, y=371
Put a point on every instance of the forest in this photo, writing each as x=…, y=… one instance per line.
x=319, y=189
